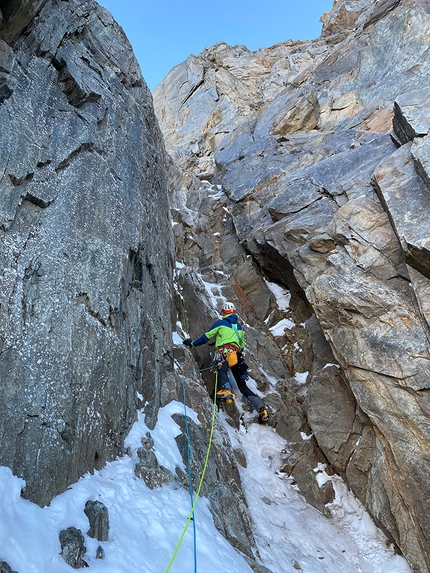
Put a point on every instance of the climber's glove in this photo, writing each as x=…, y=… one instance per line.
x=187, y=342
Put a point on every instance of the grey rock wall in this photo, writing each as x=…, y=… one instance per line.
x=15, y=15
x=320, y=152
x=86, y=257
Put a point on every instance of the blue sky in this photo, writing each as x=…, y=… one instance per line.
x=164, y=33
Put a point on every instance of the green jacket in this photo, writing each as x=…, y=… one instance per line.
x=225, y=333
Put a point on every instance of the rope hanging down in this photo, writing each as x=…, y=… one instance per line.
x=191, y=515
x=190, y=477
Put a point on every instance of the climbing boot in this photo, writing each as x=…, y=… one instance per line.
x=263, y=416
x=225, y=396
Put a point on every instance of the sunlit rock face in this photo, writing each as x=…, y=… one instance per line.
x=320, y=151
x=86, y=252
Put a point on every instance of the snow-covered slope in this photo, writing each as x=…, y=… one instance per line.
x=146, y=525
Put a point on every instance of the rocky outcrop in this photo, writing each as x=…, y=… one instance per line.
x=217, y=476
x=320, y=154
x=5, y=568
x=15, y=15
x=73, y=547
x=98, y=516
x=214, y=267
x=86, y=257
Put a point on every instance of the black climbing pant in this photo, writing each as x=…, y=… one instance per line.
x=239, y=374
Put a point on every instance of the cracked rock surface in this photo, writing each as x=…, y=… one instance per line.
x=318, y=157
x=85, y=250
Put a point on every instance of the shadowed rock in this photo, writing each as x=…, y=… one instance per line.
x=16, y=15
x=98, y=516
x=411, y=115
x=73, y=547
x=5, y=568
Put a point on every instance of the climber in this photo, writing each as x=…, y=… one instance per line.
x=230, y=342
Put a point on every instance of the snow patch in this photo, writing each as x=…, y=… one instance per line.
x=216, y=193
x=282, y=295
x=176, y=338
x=271, y=379
x=146, y=525
x=279, y=328
x=214, y=292
x=349, y=513
x=290, y=534
x=301, y=377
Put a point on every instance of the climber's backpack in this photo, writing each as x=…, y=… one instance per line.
x=231, y=358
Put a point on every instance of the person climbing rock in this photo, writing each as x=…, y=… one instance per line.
x=230, y=342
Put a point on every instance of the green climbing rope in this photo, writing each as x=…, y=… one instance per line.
x=201, y=479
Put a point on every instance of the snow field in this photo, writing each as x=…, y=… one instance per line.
x=146, y=525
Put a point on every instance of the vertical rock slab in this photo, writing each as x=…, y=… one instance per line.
x=85, y=250
x=420, y=151
x=411, y=115
x=377, y=336
x=406, y=199
x=98, y=516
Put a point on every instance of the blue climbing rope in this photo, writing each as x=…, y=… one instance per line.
x=193, y=499
x=190, y=477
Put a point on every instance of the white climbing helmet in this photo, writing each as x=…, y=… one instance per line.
x=228, y=308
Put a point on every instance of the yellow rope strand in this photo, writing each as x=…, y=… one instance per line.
x=201, y=479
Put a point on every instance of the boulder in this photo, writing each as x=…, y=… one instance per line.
x=73, y=547
x=98, y=516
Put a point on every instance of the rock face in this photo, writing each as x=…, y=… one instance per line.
x=86, y=305
x=320, y=154
x=98, y=516
x=5, y=568
x=86, y=256
x=73, y=547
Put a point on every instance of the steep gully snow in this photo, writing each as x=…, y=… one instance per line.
x=147, y=524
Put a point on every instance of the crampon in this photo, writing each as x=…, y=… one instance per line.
x=225, y=396
x=263, y=416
